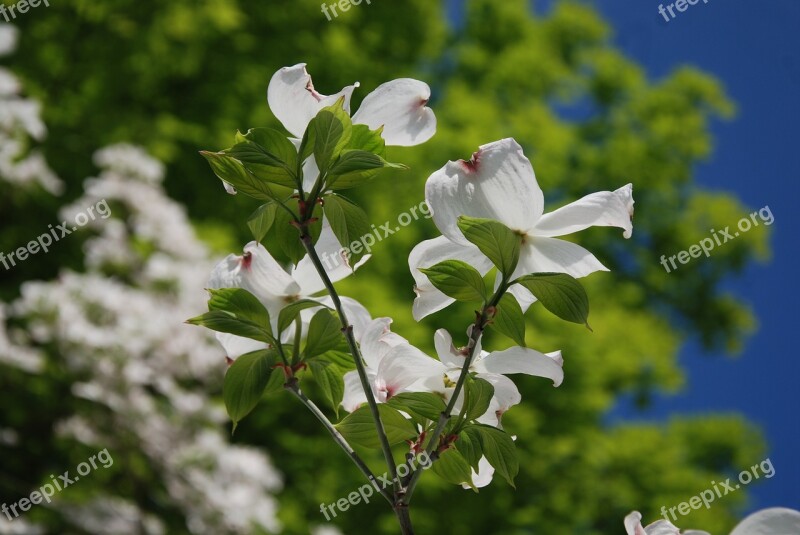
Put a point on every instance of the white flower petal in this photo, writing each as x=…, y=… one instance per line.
x=294, y=101
x=447, y=352
x=523, y=360
x=483, y=476
x=601, y=209
x=403, y=366
x=497, y=183
x=400, y=108
x=377, y=340
x=236, y=346
x=354, y=395
x=357, y=315
x=543, y=255
x=774, y=521
x=523, y=296
x=429, y=253
x=506, y=395
x=633, y=524
x=334, y=260
x=255, y=271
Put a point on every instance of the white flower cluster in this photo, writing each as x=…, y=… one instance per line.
x=20, y=122
x=124, y=336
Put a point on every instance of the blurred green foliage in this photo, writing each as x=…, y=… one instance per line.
x=184, y=75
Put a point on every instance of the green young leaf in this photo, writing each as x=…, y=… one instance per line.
x=324, y=333
x=367, y=140
x=359, y=428
x=274, y=142
x=232, y=171
x=509, y=319
x=245, y=382
x=453, y=468
x=225, y=322
x=340, y=357
x=559, y=293
x=479, y=394
x=500, y=451
x=332, y=130
x=424, y=404
x=288, y=314
x=498, y=242
x=236, y=311
x=354, y=167
x=263, y=164
x=349, y=224
x=261, y=220
x=285, y=241
x=469, y=445
x=458, y=280
x=241, y=303
x=330, y=381
x=277, y=380
x=307, y=144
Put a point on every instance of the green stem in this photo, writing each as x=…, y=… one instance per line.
x=347, y=329
x=293, y=387
x=478, y=327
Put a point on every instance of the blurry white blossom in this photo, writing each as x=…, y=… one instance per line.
x=20, y=124
x=119, y=327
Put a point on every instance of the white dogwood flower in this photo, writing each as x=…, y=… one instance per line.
x=260, y=274
x=398, y=106
x=392, y=365
x=498, y=183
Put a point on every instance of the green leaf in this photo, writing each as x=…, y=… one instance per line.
x=263, y=164
x=277, y=380
x=458, y=280
x=354, y=167
x=469, y=445
x=307, y=144
x=330, y=380
x=479, y=395
x=332, y=130
x=509, y=319
x=367, y=140
x=233, y=172
x=261, y=220
x=288, y=314
x=225, y=322
x=559, y=293
x=324, y=333
x=500, y=451
x=453, y=468
x=498, y=242
x=424, y=404
x=286, y=239
x=349, y=224
x=245, y=382
x=274, y=142
x=359, y=428
x=241, y=303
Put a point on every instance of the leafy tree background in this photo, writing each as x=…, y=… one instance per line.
x=182, y=76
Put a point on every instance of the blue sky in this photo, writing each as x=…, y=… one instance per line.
x=754, y=48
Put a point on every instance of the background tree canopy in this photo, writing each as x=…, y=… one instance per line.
x=183, y=76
